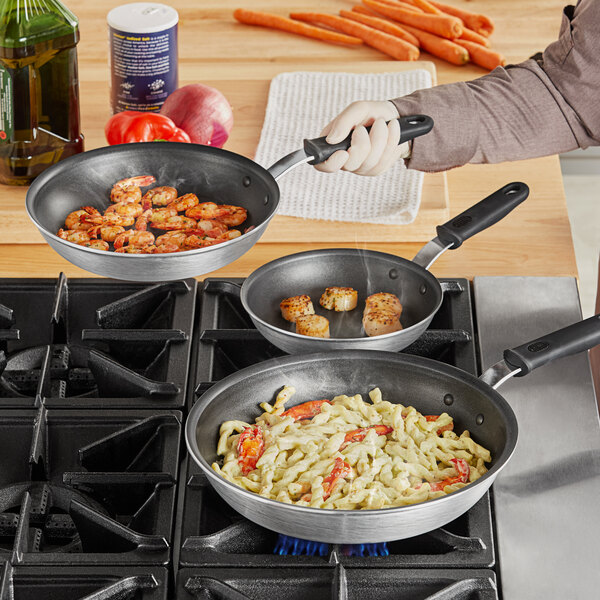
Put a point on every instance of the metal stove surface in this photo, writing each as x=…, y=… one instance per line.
x=546, y=498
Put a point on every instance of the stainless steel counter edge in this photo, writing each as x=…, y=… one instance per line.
x=546, y=499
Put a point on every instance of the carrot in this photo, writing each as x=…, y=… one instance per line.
x=448, y=27
x=470, y=36
x=440, y=47
x=382, y=25
x=388, y=44
x=478, y=23
x=263, y=19
x=425, y=6
x=484, y=57
x=406, y=4
x=433, y=44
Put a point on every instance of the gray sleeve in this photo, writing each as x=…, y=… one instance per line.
x=522, y=111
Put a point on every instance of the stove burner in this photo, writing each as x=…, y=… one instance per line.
x=43, y=511
x=69, y=374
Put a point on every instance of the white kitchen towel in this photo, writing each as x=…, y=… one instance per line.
x=300, y=105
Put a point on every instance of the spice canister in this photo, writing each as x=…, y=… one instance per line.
x=143, y=55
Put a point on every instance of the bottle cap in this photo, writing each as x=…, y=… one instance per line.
x=142, y=17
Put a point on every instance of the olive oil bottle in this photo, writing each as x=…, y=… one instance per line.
x=39, y=88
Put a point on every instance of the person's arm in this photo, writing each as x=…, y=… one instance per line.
x=522, y=111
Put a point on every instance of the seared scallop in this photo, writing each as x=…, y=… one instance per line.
x=339, y=299
x=377, y=322
x=383, y=302
x=296, y=306
x=313, y=326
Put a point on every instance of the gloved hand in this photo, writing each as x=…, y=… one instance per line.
x=370, y=153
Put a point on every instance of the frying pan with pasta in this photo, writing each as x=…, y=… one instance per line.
x=430, y=386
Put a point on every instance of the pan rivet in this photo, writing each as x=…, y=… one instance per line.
x=393, y=274
x=448, y=399
x=479, y=419
x=423, y=289
x=246, y=181
x=266, y=200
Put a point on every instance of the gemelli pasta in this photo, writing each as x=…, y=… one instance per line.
x=346, y=453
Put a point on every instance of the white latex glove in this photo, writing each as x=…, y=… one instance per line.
x=369, y=153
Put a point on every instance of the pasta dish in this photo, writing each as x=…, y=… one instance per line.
x=346, y=453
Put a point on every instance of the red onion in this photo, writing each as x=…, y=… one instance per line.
x=202, y=112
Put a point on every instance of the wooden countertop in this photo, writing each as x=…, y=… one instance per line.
x=535, y=240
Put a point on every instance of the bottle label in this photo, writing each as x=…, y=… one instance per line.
x=143, y=69
x=6, y=107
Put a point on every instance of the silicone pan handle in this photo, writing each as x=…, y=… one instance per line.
x=483, y=215
x=410, y=128
x=558, y=344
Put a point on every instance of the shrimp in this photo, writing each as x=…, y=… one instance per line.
x=212, y=228
x=159, y=214
x=124, y=209
x=96, y=244
x=113, y=219
x=225, y=213
x=107, y=232
x=184, y=202
x=358, y=435
x=199, y=239
x=128, y=190
x=171, y=222
x=159, y=196
x=306, y=410
x=76, y=236
x=250, y=448
x=171, y=238
x=341, y=470
x=83, y=219
x=463, y=470
x=296, y=306
x=132, y=237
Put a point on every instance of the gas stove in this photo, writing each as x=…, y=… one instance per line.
x=97, y=496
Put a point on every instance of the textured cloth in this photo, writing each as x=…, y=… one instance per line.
x=522, y=111
x=300, y=105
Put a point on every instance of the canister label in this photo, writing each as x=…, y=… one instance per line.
x=6, y=107
x=143, y=69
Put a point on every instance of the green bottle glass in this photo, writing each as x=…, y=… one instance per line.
x=39, y=88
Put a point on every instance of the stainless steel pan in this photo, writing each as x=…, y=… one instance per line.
x=211, y=173
x=431, y=387
x=366, y=271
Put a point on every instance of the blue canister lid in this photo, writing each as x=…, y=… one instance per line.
x=142, y=17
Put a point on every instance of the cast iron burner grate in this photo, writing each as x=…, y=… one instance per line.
x=89, y=343
x=214, y=535
x=83, y=583
x=88, y=487
x=335, y=583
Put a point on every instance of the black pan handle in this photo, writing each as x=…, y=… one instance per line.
x=558, y=344
x=410, y=128
x=483, y=215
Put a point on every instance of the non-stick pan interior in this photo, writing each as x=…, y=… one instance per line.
x=212, y=174
x=366, y=271
x=431, y=387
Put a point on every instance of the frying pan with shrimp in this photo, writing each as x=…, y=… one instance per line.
x=212, y=174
